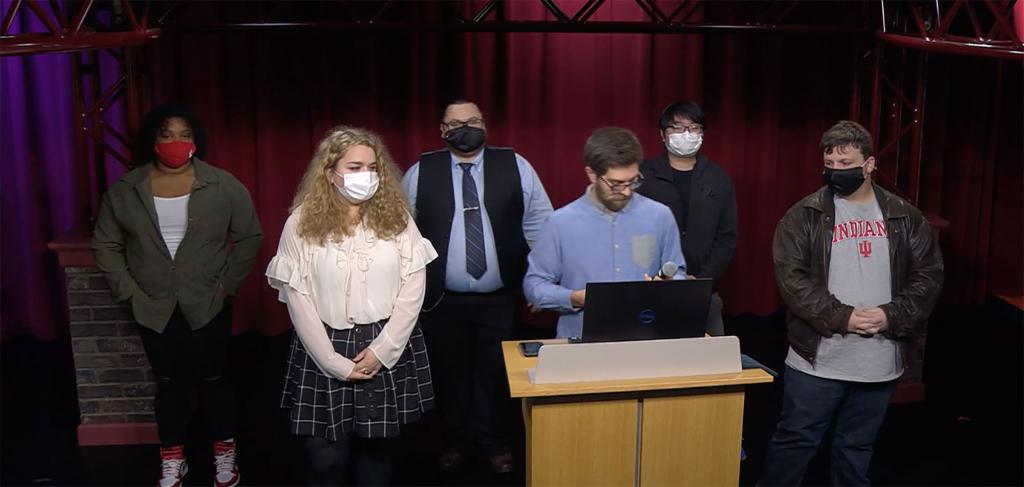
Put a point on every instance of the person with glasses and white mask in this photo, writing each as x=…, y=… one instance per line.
x=700, y=195
x=609, y=234
x=481, y=207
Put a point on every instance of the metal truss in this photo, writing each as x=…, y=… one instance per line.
x=894, y=73
x=109, y=84
x=73, y=26
x=968, y=27
x=108, y=100
x=659, y=16
x=895, y=81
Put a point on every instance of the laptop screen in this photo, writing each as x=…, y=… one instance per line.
x=646, y=310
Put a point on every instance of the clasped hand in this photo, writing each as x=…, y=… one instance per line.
x=366, y=365
x=867, y=321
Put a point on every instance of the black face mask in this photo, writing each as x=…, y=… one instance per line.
x=466, y=138
x=843, y=181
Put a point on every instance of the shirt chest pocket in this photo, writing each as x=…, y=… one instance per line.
x=209, y=216
x=644, y=249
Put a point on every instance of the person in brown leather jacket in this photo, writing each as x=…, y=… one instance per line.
x=859, y=270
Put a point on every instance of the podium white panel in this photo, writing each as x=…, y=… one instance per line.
x=646, y=359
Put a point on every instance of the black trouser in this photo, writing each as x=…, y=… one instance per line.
x=464, y=334
x=182, y=357
x=328, y=461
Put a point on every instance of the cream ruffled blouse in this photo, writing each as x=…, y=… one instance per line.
x=358, y=280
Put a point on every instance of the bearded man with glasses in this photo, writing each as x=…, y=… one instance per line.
x=609, y=234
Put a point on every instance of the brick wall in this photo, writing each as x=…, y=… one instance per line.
x=115, y=382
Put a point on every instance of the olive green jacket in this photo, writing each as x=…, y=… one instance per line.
x=220, y=244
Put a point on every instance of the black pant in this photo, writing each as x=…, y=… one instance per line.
x=328, y=461
x=182, y=357
x=464, y=334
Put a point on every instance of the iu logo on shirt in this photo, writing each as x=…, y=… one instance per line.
x=864, y=247
x=858, y=229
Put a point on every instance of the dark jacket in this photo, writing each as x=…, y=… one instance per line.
x=709, y=238
x=221, y=242
x=802, y=249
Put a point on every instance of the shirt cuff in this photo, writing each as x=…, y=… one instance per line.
x=563, y=299
x=339, y=366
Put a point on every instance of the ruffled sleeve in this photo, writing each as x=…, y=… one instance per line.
x=288, y=272
x=416, y=252
x=290, y=267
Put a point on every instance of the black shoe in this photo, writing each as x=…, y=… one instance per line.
x=503, y=463
x=451, y=461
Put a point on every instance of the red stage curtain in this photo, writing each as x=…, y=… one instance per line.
x=972, y=173
x=267, y=97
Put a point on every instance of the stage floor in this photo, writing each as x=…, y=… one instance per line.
x=966, y=433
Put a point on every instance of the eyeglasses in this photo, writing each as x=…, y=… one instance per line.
x=678, y=128
x=475, y=122
x=621, y=186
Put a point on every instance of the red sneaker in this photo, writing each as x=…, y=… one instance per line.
x=172, y=466
x=224, y=461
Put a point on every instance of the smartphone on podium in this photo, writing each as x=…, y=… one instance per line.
x=530, y=349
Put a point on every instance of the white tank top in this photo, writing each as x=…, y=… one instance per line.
x=172, y=213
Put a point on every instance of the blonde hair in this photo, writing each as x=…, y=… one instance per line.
x=324, y=209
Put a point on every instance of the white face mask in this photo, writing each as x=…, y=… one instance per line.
x=359, y=186
x=684, y=144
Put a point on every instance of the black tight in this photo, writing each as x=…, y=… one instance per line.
x=329, y=461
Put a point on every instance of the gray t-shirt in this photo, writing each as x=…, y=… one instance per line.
x=858, y=276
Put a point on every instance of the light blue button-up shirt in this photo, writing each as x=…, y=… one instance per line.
x=536, y=209
x=585, y=242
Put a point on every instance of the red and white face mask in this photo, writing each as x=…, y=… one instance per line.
x=175, y=153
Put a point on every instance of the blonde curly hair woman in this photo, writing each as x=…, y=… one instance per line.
x=351, y=268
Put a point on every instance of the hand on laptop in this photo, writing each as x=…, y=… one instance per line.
x=577, y=298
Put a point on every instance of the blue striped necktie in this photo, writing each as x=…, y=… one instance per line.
x=476, y=258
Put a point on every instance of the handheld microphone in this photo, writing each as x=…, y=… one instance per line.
x=668, y=270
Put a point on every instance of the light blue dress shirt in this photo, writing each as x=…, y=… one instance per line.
x=584, y=242
x=536, y=209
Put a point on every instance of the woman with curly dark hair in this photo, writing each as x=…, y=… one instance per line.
x=175, y=236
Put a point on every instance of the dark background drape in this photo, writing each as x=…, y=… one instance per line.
x=267, y=97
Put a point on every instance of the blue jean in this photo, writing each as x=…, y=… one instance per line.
x=808, y=406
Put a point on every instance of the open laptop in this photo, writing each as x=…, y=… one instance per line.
x=645, y=310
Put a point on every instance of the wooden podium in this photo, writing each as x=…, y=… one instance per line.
x=647, y=432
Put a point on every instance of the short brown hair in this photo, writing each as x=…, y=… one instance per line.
x=846, y=134
x=610, y=147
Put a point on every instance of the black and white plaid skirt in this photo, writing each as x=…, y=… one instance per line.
x=320, y=405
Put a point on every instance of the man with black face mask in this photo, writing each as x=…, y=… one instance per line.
x=482, y=208
x=860, y=271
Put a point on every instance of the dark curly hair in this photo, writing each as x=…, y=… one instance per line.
x=142, y=150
